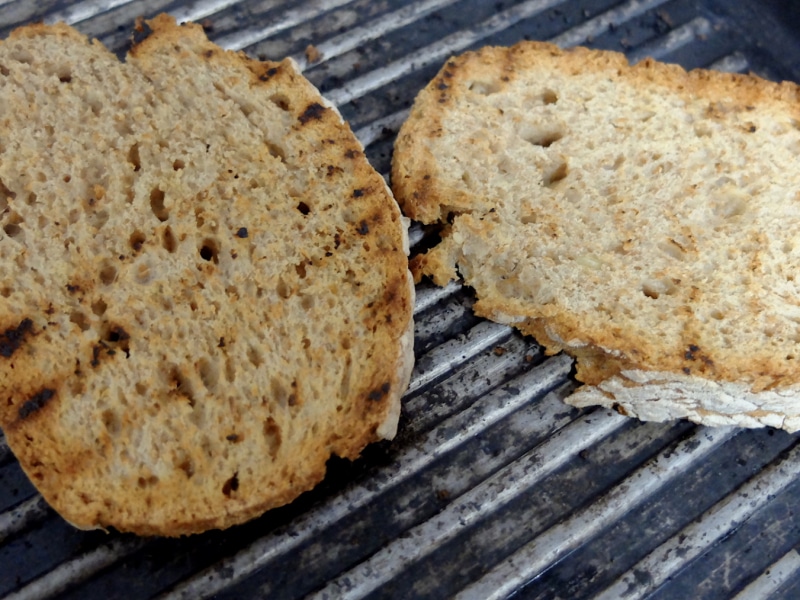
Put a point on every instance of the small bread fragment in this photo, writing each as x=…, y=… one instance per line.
x=641, y=218
x=204, y=286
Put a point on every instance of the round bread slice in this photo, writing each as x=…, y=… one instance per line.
x=204, y=286
x=642, y=218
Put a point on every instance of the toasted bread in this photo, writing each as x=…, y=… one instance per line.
x=641, y=218
x=204, y=286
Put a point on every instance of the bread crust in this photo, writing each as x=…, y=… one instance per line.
x=638, y=217
x=211, y=302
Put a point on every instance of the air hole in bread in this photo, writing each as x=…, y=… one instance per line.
x=281, y=101
x=180, y=383
x=111, y=422
x=13, y=230
x=254, y=356
x=650, y=292
x=541, y=136
x=178, y=164
x=98, y=219
x=186, y=466
x=716, y=314
x=168, y=240
x=5, y=195
x=141, y=388
x=230, y=370
x=303, y=208
x=272, y=433
x=157, y=204
x=108, y=274
x=99, y=307
x=208, y=370
x=209, y=251
x=555, y=175
x=671, y=248
x=144, y=482
x=4, y=70
x=484, y=88
x=231, y=485
x=307, y=302
x=6, y=291
x=276, y=151
x=615, y=166
x=283, y=290
x=549, y=97
x=300, y=268
x=123, y=127
x=133, y=157
x=21, y=55
x=656, y=287
x=80, y=319
x=136, y=240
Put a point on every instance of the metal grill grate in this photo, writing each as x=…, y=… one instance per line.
x=494, y=487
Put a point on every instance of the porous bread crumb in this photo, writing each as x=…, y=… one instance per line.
x=204, y=290
x=641, y=218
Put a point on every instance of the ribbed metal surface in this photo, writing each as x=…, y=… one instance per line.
x=494, y=487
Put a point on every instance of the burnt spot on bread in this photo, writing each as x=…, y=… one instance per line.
x=242, y=232
x=313, y=112
x=233, y=438
x=116, y=338
x=351, y=154
x=380, y=393
x=231, y=485
x=36, y=403
x=363, y=227
x=695, y=354
x=268, y=74
x=13, y=337
x=358, y=193
x=96, y=350
x=333, y=170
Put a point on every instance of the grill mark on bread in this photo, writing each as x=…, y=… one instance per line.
x=313, y=112
x=13, y=337
x=36, y=403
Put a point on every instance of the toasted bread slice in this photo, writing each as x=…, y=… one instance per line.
x=204, y=286
x=641, y=218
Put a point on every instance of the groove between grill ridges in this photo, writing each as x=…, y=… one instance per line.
x=689, y=543
x=533, y=558
x=771, y=580
x=485, y=498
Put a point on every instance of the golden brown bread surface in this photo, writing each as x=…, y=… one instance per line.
x=204, y=289
x=642, y=218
